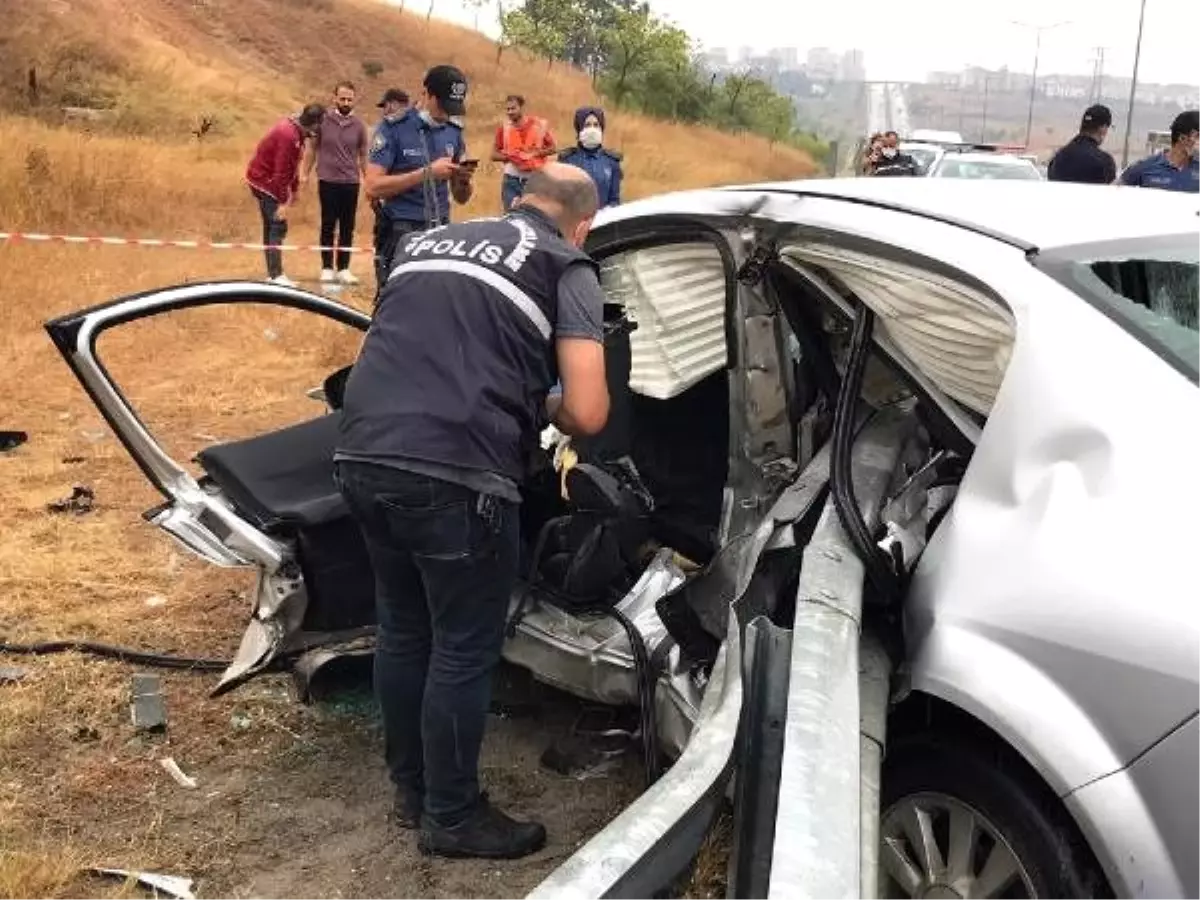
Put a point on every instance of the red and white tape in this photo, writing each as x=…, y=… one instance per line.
x=35, y=238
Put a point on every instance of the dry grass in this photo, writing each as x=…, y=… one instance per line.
x=76, y=785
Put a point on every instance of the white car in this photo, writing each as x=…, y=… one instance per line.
x=987, y=392
x=991, y=166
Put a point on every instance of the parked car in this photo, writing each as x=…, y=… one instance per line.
x=993, y=166
x=926, y=154
x=1037, y=351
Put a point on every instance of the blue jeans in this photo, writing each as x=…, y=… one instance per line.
x=445, y=561
x=274, y=232
x=511, y=188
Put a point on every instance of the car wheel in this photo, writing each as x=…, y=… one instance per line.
x=957, y=822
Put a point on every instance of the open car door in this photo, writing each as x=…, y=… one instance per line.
x=257, y=500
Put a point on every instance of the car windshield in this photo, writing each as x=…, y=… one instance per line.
x=923, y=156
x=976, y=168
x=1149, y=286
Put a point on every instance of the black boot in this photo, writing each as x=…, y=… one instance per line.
x=486, y=833
x=406, y=809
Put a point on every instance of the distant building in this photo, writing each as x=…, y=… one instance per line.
x=787, y=59
x=852, y=66
x=822, y=63
x=717, y=57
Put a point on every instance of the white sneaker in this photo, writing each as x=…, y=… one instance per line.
x=282, y=281
x=327, y=276
x=347, y=277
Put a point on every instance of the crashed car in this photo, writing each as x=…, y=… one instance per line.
x=1018, y=362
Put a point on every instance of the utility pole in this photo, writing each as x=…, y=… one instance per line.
x=1137, y=58
x=1037, y=52
x=987, y=80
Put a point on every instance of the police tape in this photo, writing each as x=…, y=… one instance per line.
x=13, y=237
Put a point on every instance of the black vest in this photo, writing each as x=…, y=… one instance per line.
x=460, y=356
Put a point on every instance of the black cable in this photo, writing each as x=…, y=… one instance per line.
x=647, y=680
x=878, y=569
x=123, y=654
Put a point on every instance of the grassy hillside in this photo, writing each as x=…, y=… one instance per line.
x=157, y=67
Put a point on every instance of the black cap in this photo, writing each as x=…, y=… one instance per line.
x=393, y=95
x=449, y=85
x=1098, y=116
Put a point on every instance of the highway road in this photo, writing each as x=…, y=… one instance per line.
x=887, y=109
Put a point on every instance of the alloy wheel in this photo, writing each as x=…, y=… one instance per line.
x=933, y=845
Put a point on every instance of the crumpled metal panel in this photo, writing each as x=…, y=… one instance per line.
x=676, y=293
x=591, y=657
x=959, y=338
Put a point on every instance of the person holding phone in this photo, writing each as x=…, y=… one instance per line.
x=417, y=162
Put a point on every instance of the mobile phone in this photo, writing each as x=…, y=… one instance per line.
x=469, y=163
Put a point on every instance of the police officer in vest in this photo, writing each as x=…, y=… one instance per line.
x=442, y=409
x=416, y=164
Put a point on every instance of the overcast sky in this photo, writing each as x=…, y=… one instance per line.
x=905, y=40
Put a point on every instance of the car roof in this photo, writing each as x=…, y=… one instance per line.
x=1035, y=214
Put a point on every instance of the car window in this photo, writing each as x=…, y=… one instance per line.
x=1149, y=286
x=676, y=294
x=959, y=168
x=923, y=156
x=224, y=372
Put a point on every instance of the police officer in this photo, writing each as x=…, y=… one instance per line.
x=442, y=409
x=1081, y=160
x=1176, y=169
x=415, y=165
x=590, y=154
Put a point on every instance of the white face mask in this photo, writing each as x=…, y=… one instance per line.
x=889, y=152
x=591, y=136
x=426, y=117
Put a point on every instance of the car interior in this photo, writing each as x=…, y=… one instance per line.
x=654, y=477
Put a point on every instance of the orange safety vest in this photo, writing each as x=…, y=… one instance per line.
x=526, y=138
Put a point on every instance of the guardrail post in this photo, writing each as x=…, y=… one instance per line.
x=819, y=843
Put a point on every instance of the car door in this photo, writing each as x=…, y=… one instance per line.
x=211, y=517
x=198, y=518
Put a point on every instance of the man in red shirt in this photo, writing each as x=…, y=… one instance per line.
x=274, y=179
x=523, y=144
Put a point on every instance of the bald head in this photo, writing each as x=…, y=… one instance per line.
x=565, y=193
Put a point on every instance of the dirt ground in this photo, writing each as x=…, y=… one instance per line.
x=290, y=798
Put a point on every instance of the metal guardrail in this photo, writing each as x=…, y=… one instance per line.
x=827, y=826
x=656, y=838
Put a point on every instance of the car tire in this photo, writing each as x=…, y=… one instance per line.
x=1007, y=800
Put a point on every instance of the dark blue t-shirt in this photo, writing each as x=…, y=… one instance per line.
x=406, y=144
x=1158, y=172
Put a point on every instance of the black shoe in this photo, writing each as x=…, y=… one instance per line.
x=486, y=833
x=406, y=808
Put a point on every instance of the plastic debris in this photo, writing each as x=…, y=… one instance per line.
x=12, y=674
x=147, y=707
x=82, y=500
x=156, y=600
x=172, y=885
x=172, y=768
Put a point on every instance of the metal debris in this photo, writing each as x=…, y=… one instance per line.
x=82, y=500
x=172, y=768
x=171, y=885
x=11, y=440
x=147, y=707
x=12, y=674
